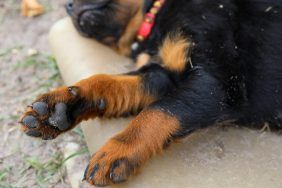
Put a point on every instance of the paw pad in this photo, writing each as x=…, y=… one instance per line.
x=33, y=133
x=31, y=122
x=59, y=117
x=40, y=108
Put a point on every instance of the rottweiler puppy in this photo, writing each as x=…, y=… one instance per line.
x=204, y=62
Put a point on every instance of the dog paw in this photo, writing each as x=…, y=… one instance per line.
x=112, y=164
x=50, y=115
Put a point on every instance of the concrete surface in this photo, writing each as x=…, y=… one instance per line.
x=212, y=158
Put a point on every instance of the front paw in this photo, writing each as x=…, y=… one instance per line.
x=113, y=164
x=51, y=114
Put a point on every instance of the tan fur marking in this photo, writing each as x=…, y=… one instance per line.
x=174, y=52
x=123, y=94
x=151, y=128
x=126, y=40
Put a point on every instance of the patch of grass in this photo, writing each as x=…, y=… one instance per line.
x=28, y=61
x=44, y=171
x=42, y=62
x=54, y=75
x=45, y=74
x=48, y=7
x=51, y=64
x=2, y=16
x=6, y=185
x=7, y=51
x=4, y=173
x=38, y=60
x=11, y=7
x=9, y=117
x=3, y=176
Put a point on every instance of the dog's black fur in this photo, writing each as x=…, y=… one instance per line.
x=237, y=58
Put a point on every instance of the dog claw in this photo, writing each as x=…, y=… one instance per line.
x=86, y=170
x=101, y=104
x=73, y=91
x=120, y=177
x=93, y=172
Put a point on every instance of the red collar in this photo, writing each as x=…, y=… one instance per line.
x=149, y=20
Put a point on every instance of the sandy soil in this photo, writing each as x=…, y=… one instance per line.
x=27, y=69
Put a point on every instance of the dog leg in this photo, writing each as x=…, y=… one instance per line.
x=178, y=114
x=125, y=153
x=98, y=96
x=106, y=95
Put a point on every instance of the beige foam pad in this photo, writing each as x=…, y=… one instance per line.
x=211, y=158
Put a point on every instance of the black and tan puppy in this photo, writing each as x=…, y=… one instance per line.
x=212, y=60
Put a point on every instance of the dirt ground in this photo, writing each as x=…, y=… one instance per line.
x=27, y=68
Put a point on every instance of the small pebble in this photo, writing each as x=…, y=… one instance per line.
x=32, y=52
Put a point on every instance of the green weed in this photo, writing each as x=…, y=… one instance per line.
x=44, y=171
x=7, y=51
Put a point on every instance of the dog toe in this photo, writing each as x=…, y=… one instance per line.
x=41, y=108
x=120, y=171
x=31, y=122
